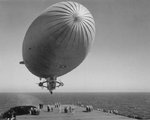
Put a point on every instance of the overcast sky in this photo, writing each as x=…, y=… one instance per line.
x=119, y=60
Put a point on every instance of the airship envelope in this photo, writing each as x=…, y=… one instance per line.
x=58, y=40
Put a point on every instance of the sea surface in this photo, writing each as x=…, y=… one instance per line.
x=137, y=104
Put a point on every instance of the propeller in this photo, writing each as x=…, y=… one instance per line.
x=40, y=85
x=60, y=83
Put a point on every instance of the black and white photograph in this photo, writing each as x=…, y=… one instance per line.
x=74, y=59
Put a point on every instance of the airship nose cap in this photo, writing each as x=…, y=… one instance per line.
x=77, y=17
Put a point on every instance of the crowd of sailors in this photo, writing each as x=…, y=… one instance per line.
x=65, y=109
x=61, y=109
x=11, y=115
x=90, y=108
x=71, y=109
x=114, y=111
x=34, y=111
x=87, y=108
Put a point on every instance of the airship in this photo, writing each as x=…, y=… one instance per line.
x=58, y=41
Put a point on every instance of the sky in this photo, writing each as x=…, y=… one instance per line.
x=119, y=60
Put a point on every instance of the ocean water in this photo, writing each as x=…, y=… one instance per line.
x=137, y=104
